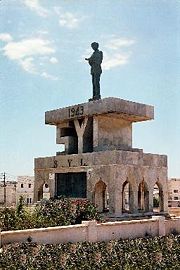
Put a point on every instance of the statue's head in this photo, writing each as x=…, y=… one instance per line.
x=94, y=46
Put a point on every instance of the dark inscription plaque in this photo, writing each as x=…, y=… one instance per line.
x=71, y=185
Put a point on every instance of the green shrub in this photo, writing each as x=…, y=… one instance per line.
x=48, y=213
x=54, y=213
x=8, y=219
x=137, y=254
x=16, y=219
x=85, y=210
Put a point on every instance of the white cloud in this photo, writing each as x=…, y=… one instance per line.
x=28, y=47
x=28, y=65
x=28, y=52
x=116, y=51
x=34, y=5
x=69, y=20
x=113, y=60
x=117, y=43
x=49, y=76
x=42, y=32
x=57, y=10
x=5, y=37
x=53, y=60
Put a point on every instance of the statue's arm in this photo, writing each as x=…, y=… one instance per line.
x=91, y=59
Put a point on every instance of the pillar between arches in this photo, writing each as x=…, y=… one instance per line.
x=51, y=183
x=151, y=200
x=133, y=203
x=115, y=191
x=165, y=199
x=118, y=202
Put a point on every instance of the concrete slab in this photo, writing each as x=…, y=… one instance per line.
x=115, y=107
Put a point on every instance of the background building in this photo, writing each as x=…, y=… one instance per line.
x=8, y=193
x=174, y=192
x=25, y=188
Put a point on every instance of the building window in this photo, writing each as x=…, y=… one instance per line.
x=21, y=185
x=175, y=190
x=176, y=198
x=27, y=200
x=30, y=200
x=29, y=185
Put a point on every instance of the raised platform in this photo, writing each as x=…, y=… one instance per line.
x=116, y=107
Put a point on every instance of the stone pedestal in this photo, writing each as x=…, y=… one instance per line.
x=98, y=143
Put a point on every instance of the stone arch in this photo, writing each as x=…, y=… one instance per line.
x=158, y=196
x=45, y=187
x=127, y=197
x=46, y=190
x=143, y=196
x=41, y=177
x=42, y=188
x=100, y=193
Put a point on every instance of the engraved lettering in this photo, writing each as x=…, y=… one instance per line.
x=73, y=111
x=55, y=163
x=76, y=111
x=81, y=110
x=81, y=162
x=69, y=162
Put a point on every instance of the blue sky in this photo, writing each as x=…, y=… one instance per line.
x=42, y=48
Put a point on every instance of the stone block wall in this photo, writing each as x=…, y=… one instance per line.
x=93, y=232
x=109, y=171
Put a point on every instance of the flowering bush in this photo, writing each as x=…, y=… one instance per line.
x=53, y=212
x=15, y=219
x=8, y=219
x=150, y=253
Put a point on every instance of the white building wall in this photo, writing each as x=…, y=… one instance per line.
x=174, y=192
x=10, y=193
x=25, y=188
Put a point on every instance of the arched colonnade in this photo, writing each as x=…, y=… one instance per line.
x=131, y=198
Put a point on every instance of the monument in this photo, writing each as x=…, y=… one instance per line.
x=95, y=62
x=99, y=162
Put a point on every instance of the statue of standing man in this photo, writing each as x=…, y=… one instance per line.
x=95, y=62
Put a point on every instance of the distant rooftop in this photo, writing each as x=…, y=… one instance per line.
x=8, y=182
